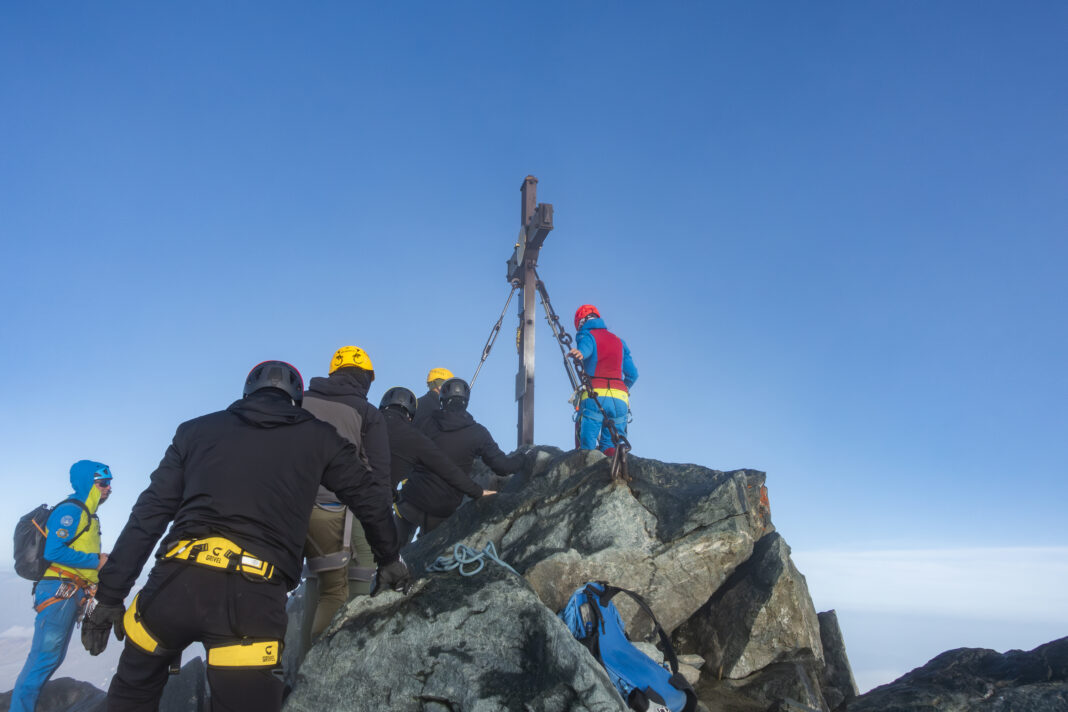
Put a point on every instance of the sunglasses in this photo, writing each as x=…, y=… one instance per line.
x=106, y=482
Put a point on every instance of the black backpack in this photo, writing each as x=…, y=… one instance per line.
x=30, y=536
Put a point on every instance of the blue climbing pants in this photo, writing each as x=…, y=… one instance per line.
x=51, y=635
x=592, y=434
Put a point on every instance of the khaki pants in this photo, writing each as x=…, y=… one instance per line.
x=325, y=531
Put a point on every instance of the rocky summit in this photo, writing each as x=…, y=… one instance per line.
x=698, y=544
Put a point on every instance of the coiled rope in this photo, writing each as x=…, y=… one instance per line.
x=463, y=555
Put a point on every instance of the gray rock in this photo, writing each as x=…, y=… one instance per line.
x=837, y=678
x=771, y=689
x=64, y=695
x=475, y=643
x=762, y=615
x=975, y=679
x=673, y=534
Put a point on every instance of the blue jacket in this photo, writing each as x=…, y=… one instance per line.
x=68, y=519
x=586, y=344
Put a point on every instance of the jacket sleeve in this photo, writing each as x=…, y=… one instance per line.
x=151, y=514
x=430, y=457
x=376, y=445
x=585, y=343
x=61, y=536
x=630, y=371
x=493, y=456
x=369, y=498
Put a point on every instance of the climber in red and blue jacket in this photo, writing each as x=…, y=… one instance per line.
x=606, y=360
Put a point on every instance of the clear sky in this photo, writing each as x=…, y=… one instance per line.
x=834, y=236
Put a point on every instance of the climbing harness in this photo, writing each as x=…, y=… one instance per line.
x=218, y=552
x=463, y=555
x=493, y=333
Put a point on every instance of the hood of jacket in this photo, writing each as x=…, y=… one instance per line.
x=268, y=410
x=82, y=475
x=343, y=382
x=449, y=420
x=594, y=323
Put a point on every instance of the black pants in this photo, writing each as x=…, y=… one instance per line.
x=183, y=603
x=412, y=517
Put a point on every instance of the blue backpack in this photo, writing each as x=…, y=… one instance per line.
x=644, y=685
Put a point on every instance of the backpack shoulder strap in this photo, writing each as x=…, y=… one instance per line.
x=669, y=650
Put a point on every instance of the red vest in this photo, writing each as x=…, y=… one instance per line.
x=609, y=371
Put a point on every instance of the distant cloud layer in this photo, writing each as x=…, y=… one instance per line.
x=1008, y=584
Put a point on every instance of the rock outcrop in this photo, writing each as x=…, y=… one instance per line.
x=697, y=544
x=64, y=695
x=978, y=680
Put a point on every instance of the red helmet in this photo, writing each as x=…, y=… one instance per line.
x=584, y=311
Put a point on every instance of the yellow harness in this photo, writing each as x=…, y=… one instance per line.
x=218, y=552
x=214, y=552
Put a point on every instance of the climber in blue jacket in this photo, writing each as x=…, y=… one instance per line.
x=73, y=550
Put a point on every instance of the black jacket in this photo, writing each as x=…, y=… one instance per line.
x=349, y=386
x=429, y=403
x=409, y=448
x=249, y=473
x=462, y=439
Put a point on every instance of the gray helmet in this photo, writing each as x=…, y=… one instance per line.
x=401, y=397
x=276, y=374
x=454, y=394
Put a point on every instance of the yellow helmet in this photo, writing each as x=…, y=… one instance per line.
x=436, y=374
x=351, y=356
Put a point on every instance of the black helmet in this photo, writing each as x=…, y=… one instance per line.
x=276, y=374
x=454, y=393
x=402, y=397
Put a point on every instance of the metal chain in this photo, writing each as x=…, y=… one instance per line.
x=563, y=339
x=493, y=334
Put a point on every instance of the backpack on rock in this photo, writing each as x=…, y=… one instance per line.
x=644, y=684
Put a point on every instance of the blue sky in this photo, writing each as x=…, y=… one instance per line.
x=834, y=237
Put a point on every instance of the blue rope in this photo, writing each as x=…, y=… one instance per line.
x=463, y=555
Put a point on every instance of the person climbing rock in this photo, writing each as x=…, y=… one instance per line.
x=72, y=548
x=428, y=402
x=410, y=448
x=426, y=500
x=237, y=488
x=343, y=569
x=606, y=360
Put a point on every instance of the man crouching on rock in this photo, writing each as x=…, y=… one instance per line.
x=239, y=486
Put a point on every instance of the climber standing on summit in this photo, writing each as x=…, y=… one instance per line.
x=606, y=361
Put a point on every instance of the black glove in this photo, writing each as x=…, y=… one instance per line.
x=395, y=576
x=98, y=624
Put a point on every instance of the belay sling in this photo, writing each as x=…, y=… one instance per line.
x=642, y=682
x=30, y=536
